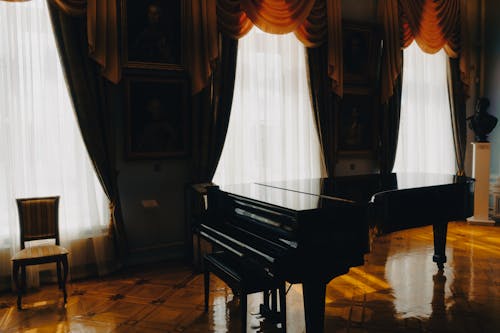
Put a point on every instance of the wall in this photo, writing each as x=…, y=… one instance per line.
x=157, y=233
x=361, y=12
x=492, y=77
x=473, y=36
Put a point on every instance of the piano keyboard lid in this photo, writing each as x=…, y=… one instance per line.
x=268, y=195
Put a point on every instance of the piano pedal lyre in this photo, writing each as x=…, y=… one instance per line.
x=269, y=308
x=229, y=270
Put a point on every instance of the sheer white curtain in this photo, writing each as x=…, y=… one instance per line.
x=425, y=142
x=41, y=150
x=271, y=134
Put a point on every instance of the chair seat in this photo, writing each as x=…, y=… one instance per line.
x=41, y=251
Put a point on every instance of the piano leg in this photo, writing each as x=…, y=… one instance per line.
x=314, y=305
x=206, y=279
x=283, y=307
x=440, y=229
x=243, y=301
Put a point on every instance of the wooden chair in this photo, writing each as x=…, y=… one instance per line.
x=39, y=219
x=244, y=280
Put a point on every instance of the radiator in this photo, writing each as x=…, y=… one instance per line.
x=495, y=196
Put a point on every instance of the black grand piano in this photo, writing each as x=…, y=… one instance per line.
x=310, y=231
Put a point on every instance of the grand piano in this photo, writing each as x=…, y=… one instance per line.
x=310, y=231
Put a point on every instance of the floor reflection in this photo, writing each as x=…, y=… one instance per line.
x=413, y=297
x=398, y=289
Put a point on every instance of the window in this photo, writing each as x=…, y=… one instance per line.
x=41, y=150
x=271, y=134
x=425, y=142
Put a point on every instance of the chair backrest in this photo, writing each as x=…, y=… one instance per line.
x=38, y=218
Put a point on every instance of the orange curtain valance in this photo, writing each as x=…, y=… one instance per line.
x=307, y=18
x=277, y=16
x=314, y=22
x=232, y=19
x=433, y=24
x=102, y=32
x=314, y=29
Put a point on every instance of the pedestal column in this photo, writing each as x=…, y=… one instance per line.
x=481, y=174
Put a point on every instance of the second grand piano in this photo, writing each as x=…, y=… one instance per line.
x=310, y=231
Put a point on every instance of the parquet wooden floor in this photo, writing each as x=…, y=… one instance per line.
x=398, y=289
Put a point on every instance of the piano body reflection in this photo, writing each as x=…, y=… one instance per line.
x=310, y=231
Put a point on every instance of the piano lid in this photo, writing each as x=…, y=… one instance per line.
x=362, y=188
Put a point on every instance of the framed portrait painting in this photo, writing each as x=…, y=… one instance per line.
x=361, y=52
x=152, y=33
x=157, y=123
x=357, y=125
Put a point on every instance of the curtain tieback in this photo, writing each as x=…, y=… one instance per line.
x=111, y=207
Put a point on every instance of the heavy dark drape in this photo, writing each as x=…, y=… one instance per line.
x=456, y=92
x=323, y=103
x=391, y=83
x=102, y=32
x=433, y=24
x=391, y=111
x=86, y=87
x=212, y=108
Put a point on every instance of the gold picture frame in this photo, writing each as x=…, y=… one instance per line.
x=361, y=47
x=157, y=121
x=153, y=34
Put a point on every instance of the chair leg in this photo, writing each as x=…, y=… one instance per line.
x=207, y=286
x=15, y=272
x=282, y=292
x=65, y=277
x=23, y=279
x=199, y=259
x=243, y=301
x=59, y=274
